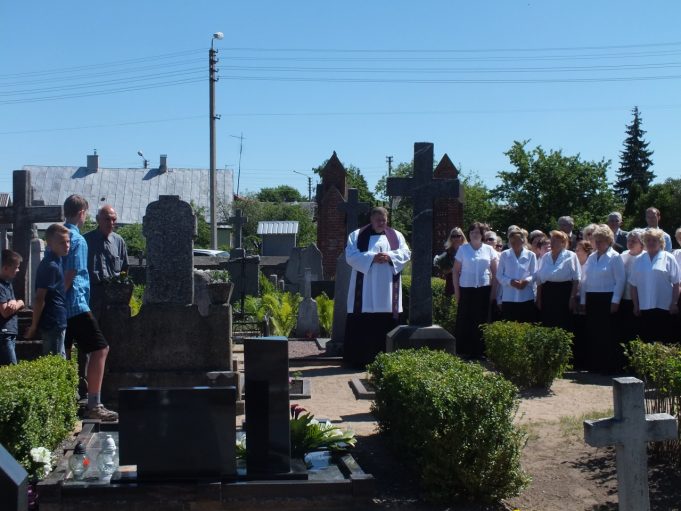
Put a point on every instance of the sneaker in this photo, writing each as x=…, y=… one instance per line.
x=101, y=413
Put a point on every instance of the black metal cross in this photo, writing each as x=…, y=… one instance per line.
x=238, y=221
x=423, y=189
x=353, y=208
x=22, y=215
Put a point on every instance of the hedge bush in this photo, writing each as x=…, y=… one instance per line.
x=659, y=366
x=37, y=404
x=527, y=354
x=453, y=421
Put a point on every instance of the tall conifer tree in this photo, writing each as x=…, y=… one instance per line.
x=634, y=175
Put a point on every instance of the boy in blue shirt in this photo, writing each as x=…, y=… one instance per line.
x=9, y=306
x=49, y=306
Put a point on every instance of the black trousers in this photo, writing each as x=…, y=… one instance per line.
x=555, y=305
x=522, y=312
x=472, y=311
x=656, y=325
x=603, y=350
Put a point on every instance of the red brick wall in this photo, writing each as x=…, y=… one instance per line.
x=330, y=220
x=447, y=213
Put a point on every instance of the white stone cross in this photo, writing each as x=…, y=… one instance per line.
x=630, y=430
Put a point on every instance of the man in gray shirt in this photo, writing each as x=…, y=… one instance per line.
x=107, y=256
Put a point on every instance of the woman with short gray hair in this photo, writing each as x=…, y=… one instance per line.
x=628, y=325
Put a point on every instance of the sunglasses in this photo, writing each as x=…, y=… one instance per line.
x=456, y=236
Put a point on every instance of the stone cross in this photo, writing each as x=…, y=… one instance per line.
x=630, y=430
x=352, y=209
x=238, y=221
x=169, y=225
x=307, y=283
x=22, y=215
x=423, y=189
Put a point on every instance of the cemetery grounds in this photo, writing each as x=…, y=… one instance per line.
x=566, y=473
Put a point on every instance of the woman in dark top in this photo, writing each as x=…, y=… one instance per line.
x=445, y=261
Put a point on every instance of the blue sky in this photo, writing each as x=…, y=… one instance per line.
x=364, y=78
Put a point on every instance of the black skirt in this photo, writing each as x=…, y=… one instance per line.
x=656, y=325
x=522, y=312
x=472, y=311
x=603, y=350
x=555, y=304
x=365, y=335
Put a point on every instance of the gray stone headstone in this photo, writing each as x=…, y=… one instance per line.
x=307, y=324
x=37, y=253
x=245, y=273
x=340, y=306
x=274, y=280
x=201, y=297
x=630, y=430
x=13, y=483
x=353, y=208
x=170, y=229
x=300, y=259
x=268, y=448
x=22, y=215
x=423, y=189
x=238, y=221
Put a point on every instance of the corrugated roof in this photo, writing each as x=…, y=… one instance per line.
x=129, y=191
x=278, y=227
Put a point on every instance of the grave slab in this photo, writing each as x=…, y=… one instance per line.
x=13, y=483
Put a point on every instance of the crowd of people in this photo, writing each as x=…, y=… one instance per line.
x=68, y=297
x=605, y=285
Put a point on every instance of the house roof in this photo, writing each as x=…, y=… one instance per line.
x=128, y=190
x=278, y=227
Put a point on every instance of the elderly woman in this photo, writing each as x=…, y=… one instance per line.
x=654, y=283
x=587, y=233
x=558, y=283
x=601, y=292
x=474, y=279
x=539, y=244
x=515, y=274
x=583, y=249
x=628, y=325
x=445, y=261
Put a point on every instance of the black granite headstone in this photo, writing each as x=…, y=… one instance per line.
x=13, y=483
x=268, y=434
x=178, y=433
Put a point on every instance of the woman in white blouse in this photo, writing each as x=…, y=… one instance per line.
x=654, y=283
x=628, y=325
x=515, y=274
x=601, y=291
x=558, y=283
x=474, y=278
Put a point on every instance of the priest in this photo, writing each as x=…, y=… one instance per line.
x=377, y=255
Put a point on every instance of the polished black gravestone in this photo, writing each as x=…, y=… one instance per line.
x=423, y=189
x=268, y=435
x=13, y=483
x=178, y=433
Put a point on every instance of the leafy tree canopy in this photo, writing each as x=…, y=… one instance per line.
x=667, y=198
x=134, y=239
x=545, y=186
x=281, y=193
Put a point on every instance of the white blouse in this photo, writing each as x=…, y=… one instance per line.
x=628, y=261
x=603, y=274
x=512, y=267
x=677, y=256
x=653, y=280
x=566, y=268
x=476, y=265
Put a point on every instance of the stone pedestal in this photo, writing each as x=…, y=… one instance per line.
x=340, y=307
x=407, y=337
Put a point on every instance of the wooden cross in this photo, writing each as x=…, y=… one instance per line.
x=423, y=189
x=22, y=215
x=630, y=430
x=238, y=221
x=353, y=208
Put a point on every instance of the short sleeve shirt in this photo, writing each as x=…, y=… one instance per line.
x=476, y=265
x=653, y=279
x=78, y=295
x=50, y=276
x=565, y=268
x=9, y=326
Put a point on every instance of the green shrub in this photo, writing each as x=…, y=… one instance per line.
x=453, y=421
x=659, y=366
x=282, y=310
x=527, y=354
x=444, y=307
x=325, y=312
x=37, y=405
x=136, y=299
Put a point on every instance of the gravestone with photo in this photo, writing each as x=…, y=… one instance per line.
x=352, y=209
x=630, y=430
x=423, y=190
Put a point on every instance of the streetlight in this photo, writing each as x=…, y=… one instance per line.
x=309, y=185
x=212, y=60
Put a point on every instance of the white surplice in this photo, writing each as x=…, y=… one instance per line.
x=377, y=286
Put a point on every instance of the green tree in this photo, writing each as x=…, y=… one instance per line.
x=667, y=198
x=134, y=239
x=202, y=227
x=257, y=211
x=545, y=186
x=479, y=203
x=281, y=193
x=634, y=175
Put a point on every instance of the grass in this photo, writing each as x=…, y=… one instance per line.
x=573, y=426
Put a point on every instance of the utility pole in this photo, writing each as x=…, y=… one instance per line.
x=212, y=78
x=241, y=148
x=389, y=159
x=309, y=185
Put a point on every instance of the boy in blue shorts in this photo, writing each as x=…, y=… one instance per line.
x=49, y=306
x=9, y=306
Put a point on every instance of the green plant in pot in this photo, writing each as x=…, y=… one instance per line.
x=118, y=289
x=219, y=286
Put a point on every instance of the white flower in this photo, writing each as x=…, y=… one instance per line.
x=41, y=455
